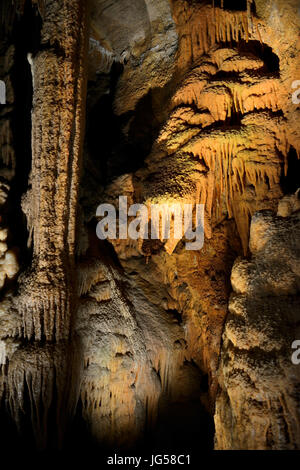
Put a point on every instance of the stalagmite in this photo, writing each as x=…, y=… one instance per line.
x=133, y=340
x=126, y=366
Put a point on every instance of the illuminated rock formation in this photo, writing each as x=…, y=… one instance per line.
x=57, y=124
x=226, y=143
x=188, y=102
x=46, y=290
x=258, y=403
x=130, y=357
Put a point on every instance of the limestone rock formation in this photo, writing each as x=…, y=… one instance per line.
x=140, y=342
x=45, y=290
x=257, y=406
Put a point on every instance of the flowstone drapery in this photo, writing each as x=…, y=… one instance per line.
x=142, y=341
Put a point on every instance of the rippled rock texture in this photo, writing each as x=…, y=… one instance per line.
x=137, y=342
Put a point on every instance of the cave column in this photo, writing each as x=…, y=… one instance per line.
x=59, y=92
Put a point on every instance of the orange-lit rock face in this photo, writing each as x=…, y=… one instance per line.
x=225, y=143
x=229, y=127
x=227, y=133
x=188, y=102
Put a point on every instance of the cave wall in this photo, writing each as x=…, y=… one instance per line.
x=257, y=406
x=186, y=102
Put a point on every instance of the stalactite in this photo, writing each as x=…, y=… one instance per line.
x=44, y=314
x=205, y=104
x=105, y=58
x=208, y=26
x=89, y=274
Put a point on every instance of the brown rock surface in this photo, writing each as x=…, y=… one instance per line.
x=257, y=406
x=188, y=102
